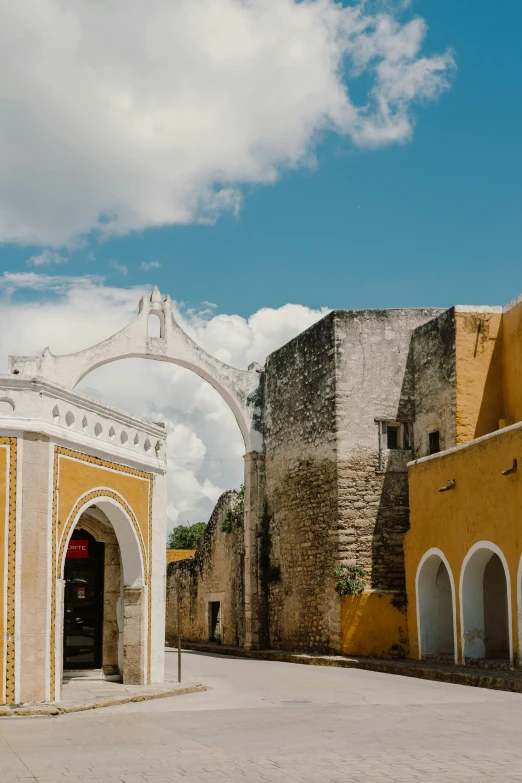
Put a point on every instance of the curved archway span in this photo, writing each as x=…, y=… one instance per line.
x=485, y=603
x=120, y=515
x=239, y=388
x=436, y=605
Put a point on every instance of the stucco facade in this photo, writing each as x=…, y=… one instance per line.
x=463, y=548
x=69, y=464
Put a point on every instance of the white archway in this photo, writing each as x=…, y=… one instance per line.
x=436, y=611
x=485, y=603
x=240, y=389
x=134, y=640
x=131, y=544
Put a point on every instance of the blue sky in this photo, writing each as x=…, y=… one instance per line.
x=430, y=222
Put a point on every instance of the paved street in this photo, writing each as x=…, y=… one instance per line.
x=267, y=721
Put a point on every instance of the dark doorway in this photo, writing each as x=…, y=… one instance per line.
x=83, y=609
x=215, y=621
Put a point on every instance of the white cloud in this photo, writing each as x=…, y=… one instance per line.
x=205, y=448
x=120, y=268
x=46, y=258
x=148, y=265
x=120, y=116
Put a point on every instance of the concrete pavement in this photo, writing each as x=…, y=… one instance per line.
x=268, y=721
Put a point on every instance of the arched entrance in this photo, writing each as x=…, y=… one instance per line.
x=486, y=605
x=105, y=607
x=436, y=607
x=93, y=594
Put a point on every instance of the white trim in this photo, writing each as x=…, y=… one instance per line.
x=494, y=549
x=519, y=610
x=50, y=572
x=439, y=553
x=513, y=303
x=479, y=309
x=107, y=499
x=73, y=439
x=468, y=444
x=89, y=404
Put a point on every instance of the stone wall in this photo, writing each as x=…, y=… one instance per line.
x=332, y=495
x=434, y=362
x=334, y=492
x=301, y=488
x=215, y=573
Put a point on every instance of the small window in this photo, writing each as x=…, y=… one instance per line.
x=392, y=437
x=434, y=442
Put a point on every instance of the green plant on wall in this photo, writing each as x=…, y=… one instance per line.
x=236, y=513
x=350, y=579
x=226, y=525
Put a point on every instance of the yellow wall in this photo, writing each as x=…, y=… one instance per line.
x=173, y=555
x=479, y=398
x=484, y=505
x=77, y=476
x=512, y=362
x=372, y=626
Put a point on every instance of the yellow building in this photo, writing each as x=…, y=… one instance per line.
x=463, y=549
x=82, y=529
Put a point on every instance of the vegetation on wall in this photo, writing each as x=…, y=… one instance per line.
x=186, y=536
x=269, y=573
x=350, y=579
x=234, y=516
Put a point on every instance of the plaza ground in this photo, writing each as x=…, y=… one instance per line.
x=265, y=721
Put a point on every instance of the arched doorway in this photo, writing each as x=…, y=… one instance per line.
x=93, y=594
x=435, y=607
x=106, y=612
x=485, y=605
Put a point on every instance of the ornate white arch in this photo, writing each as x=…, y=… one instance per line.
x=487, y=546
x=239, y=388
x=435, y=552
x=134, y=557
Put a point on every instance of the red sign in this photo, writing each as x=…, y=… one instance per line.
x=78, y=548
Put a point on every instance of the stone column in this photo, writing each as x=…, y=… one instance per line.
x=134, y=652
x=254, y=501
x=34, y=583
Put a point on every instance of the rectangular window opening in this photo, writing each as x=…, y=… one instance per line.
x=434, y=442
x=392, y=437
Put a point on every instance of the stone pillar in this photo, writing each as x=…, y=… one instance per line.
x=34, y=583
x=254, y=502
x=134, y=652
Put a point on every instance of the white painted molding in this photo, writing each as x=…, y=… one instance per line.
x=435, y=552
x=494, y=549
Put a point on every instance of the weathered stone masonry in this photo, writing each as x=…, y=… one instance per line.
x=327, y=499
x=217, y=569
x=334, y=492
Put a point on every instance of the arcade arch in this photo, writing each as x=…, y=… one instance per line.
x=435, y=606
x=485, y=604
